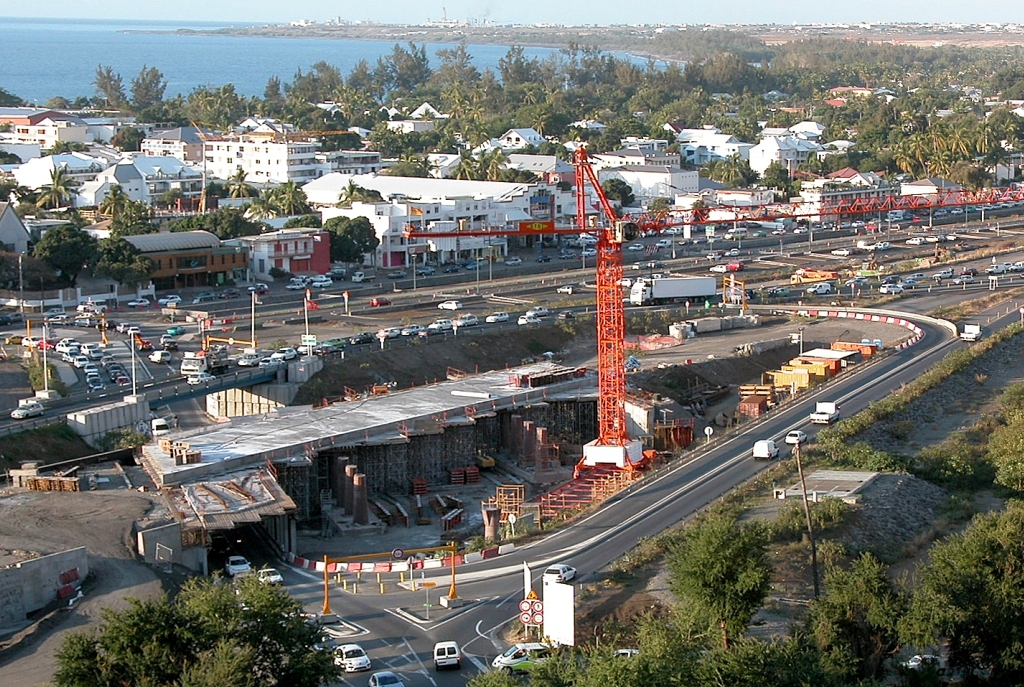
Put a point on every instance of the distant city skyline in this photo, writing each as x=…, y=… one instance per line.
x=601, y=12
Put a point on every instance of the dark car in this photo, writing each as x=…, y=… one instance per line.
x=170, y=345
x=379, y=301
x=543, y=258
x=451, y=269
x=969, y=270
x=565, y=315
x=397, y=274
x=361, y=338
x=230, y=293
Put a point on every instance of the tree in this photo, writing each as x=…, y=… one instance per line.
x=721, y=569
x=122, y=262
x=114, y=202
x=67, y=251
x=309, y=221
x=58, y=192
x=225, y=223
x=128, y=140
x=290, y=199
x=133, y=217
x=148, y=88
x=617, y=189
x=351, y=238
x=354, y=193
x=776, y=176
x=1006, y=451
x=8, y=99
x=245, y=635
x=109, y=87
x=969, y=597
x=856, y=625
x=237, y=188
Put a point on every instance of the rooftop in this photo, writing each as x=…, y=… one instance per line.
x=181, y=240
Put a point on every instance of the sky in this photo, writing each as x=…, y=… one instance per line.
x=535, y=11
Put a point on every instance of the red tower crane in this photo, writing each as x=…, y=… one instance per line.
x=613, y=444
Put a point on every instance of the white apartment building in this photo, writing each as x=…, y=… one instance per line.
x=262, y=160
x=79, y=168
x=143, y=179
x=626, y=157
x=700, y=146
x=650, y=181
x=789, y=151
x=183, y=143
x=349, y=162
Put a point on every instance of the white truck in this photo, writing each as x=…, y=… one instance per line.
x=896, y=215
x=765, y=449
x=215, y=360
x=825, y=413
x=971, y=332
x=672, y=289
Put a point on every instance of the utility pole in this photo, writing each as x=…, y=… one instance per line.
x=807, y=514
x=21, y=285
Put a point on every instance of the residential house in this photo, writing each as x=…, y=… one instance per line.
x=842, y=187
x=14, y=236
x=443, y=165
x=78, y=167
x=263, y=161
x=300, y=251
x=808, y=130
x=145, y=179
x=550, y=168
x=589, y=125
x=652, y=181
x=698, y=147
x=517, y=139
x=644, y=143
x=184, y=143
x=264, y=127
x=44, y=127
x=427, y=111
x=408, y=126
x=349, y=162
x=628, y=157
x=192, y=258
x=789, y=151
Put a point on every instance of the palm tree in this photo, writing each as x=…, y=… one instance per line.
x=904, y=158
x=114, y=202
x=58, y=191
x=237, y=188
x=492, y=164
x=958, y=141
x=262, y=207
x=354, y=193
x=468, y=167
x=290, y=199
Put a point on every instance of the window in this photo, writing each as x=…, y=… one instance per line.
x=262, y=265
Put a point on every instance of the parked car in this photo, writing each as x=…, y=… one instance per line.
x=27, y=410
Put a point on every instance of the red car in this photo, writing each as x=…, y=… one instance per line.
x=734, y=266
x=47, y=344
x=379, y=301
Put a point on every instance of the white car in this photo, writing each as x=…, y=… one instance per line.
x=250, y=360
x=882, y=245
x=322, y=282
x=440, y=326
x=732, y=253
x=138, y=303
x=512, y=262
x=467, y=320
x=237, y=565
x=635, y=247
x=566, y=289
x=588, y=252
x=915, y=241
x=285, y=354
x=160, y=357
x=528, y=319
x=170, y=301
x=449, y=305
x=351, y=658
x=538, y=311
x=796, y=437
x=560, y=573
x=497, y=317
x=295, y=286
x=718, y=269
x=200, y=378
x=269, y=576
x=891, y=289
x=30, y=409
x=918, y=662
x=412, y=330
x=389, y=332
x=843, y=252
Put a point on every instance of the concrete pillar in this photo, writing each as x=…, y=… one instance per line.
x=492, y=517
x=529, y=440
x=360, y=507
x=337, y=474
x=350, y=474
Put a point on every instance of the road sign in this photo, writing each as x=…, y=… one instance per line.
x=533, y=594
x=538, y=618
x=308, y=339
x=709, y=431
x=428, y=585
x=1021, y=311
x=536, y=227
x=231, y=341
x=512, y=516
x=398, y=554
x=525, y=618
x=538, y=606
x=525, y=605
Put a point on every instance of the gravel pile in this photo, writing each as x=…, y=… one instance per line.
x=895, y=509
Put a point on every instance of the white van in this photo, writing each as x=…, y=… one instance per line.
x=820, y=289
x=159, y=427
x=358, y=277
x=765, y=449
x=447, y=655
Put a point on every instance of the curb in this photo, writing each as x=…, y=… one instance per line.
x=397, y=566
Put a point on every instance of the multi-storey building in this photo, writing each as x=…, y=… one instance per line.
x=263, y=160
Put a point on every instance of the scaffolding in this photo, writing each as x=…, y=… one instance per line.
x=508, y=498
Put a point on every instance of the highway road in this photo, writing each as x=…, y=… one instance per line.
x=401, y=640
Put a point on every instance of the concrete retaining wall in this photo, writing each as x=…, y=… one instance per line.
x=253, y=400
x=92, y=424
x=31, y=585
x=169, y=535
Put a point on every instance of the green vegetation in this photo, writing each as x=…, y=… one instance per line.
x=35, y=376
x=43, y=445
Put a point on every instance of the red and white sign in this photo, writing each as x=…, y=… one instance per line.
x=525, y=605
x=525, y=618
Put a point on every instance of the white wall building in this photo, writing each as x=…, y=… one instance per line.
x=263, y=160
x=626, y=157
x=143, y=179
x=79, y=167
x=349, y=162
x=700, y=146
x=408, y=126
x=517, y=139
x=788, y=151
x=650, y=181
x=183, y=143
x=14, y=236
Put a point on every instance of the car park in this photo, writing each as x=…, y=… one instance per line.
x=351, y=658
x=27, y=410
x=196, y=379
x=379, y=301
x=450, y=305
x=497, y=317
x=796, y=437
x=560, y=573
x=237, y=565
x=447, y=655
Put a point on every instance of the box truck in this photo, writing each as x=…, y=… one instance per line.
x=971, y=332
x=672, y=289
x=825, y=413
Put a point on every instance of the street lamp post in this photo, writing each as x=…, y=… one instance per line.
x=46, y=368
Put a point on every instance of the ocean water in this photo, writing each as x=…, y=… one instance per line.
x=43, y=58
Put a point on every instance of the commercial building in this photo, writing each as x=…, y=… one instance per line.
x=45, y=127
x=184, y=143
x=843, y=186
x=263, y=160
x=299, y=251
x=192, y=258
